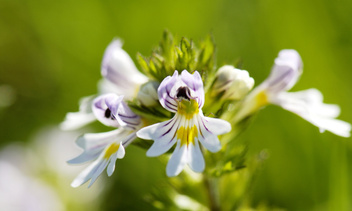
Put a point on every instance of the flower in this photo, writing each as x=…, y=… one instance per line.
x=308, y=104
x=234, y=84
x=184, y=96
x=105, y=148
x=120, y=76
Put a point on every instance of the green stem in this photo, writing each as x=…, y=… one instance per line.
x=213, y=193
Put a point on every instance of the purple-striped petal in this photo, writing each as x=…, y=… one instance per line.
x=195, y=83
x=102, y=111
x=166, y=97
x=163, y=134
x=286, y=71
x=112, y=111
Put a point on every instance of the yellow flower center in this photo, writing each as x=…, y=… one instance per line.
x=187, y=135
x=188, y=108
x=111, y=150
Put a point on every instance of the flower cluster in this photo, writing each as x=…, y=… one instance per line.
x=172, y=100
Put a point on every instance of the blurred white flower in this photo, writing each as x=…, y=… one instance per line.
x=307, y=104
x=21, y=191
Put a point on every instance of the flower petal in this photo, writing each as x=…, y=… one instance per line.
x=76, y=120
x=118, y=67
x=93, y=170
x=102, y=111
x=217, y=126
x=94, y=143
x=195, y=159
x=127, y=117
x=112, y=111
x=311, y=98
x=120, y=153
x=195, y=83
x=308, y=105
x=84, y=116
x=163, y=134
x=286, y=71
x=208, y=133
x=106, y=159
x=177, y=161
x=166, y=98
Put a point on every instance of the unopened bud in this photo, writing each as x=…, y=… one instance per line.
x=233, y=83
x=148, y=94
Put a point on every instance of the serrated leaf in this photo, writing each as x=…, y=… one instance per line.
x=143, y=63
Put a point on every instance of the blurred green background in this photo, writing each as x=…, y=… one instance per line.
x=50, y=54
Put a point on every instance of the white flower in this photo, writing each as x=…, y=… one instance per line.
x=234, y=83
x=307, y=104
x=105, y=148
x=184, y=96
x=20, y=188
x=120, y=73
x=120, y=77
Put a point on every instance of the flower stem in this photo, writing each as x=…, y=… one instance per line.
x=213, y=193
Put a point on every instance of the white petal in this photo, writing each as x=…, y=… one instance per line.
x=336, y=126
x=84, y=116
x=147, y=132
x=209, y=129
x=76, y=120
x=177, y=161
x=111, y=166
x=118, y=67
x=97, y=171
x=195, y=159
x=163, y=135
x=286, y=71
x=313, y=99
x=112, y=160
x=105, y=87
x=308, y=105
x=120, y=152
x=89, y=172
x=217, y=126
x=94, y=143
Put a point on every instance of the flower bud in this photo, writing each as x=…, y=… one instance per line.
x=233, y=83
x=148, y=94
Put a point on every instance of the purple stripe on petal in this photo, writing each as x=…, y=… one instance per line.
x=202, y=119
x=130, y=117
x=168, y=130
